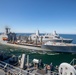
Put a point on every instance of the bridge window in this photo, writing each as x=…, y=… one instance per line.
x=46, y=37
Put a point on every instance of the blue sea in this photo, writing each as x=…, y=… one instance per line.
x=55, y=58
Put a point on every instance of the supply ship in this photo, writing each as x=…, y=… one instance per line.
x=50, y=42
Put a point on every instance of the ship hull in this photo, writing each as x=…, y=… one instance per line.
x=58, y=40
x=52, y=48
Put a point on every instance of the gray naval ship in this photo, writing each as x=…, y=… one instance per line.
x=60, y=47
x=53, y=37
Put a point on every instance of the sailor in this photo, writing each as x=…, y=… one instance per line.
x=40, y=64
x=9, y=73
x=51, y=67
x=56, y=68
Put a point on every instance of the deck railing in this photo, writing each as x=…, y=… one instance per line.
x=12, y=70
x=73, y=62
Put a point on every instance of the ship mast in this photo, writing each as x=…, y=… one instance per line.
x=7, y=30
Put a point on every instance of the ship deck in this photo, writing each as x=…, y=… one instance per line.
x=7, y=69
x=2, y=72
x=59, y=44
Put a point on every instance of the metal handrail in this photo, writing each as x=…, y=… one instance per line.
x=73, y=62
x=18, y=71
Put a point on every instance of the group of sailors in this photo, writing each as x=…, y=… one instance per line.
x=47, y=67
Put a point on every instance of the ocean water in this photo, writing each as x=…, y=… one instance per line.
x=55, y=58
x=70, y=36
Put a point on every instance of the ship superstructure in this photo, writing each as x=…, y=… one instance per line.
x=49, y=37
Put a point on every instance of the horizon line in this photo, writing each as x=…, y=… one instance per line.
x=40, y=33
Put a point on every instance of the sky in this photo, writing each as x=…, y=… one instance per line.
x=25, y=16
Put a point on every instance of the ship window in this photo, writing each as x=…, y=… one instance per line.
x=57, y=37
x=46, y=37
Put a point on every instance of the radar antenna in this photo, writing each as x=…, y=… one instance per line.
x=7, y=30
